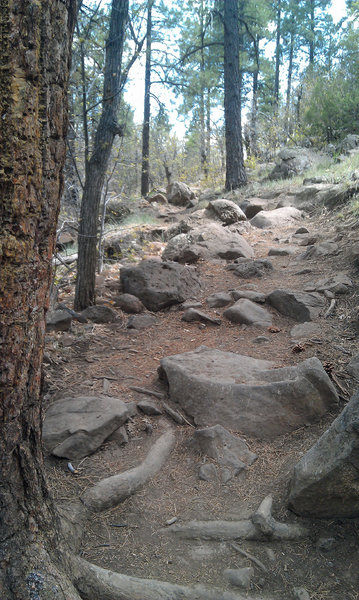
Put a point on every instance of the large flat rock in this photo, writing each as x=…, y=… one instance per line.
x=266, y=219
x=76, y=427
x=301, y=306
x=246, y=394
x=325, y=482
x=160, y=284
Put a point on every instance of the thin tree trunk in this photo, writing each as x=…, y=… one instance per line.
x=35, y=42
x=145, y=172
x=96, y=166
x=289, y=83
x=277, y=53
x=312, y=32
x=235, y=171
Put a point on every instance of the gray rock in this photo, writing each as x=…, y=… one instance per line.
x=226, y=210
x=141, y=322
x=305, y=330
x=179, y=194
x=338, y=284
x=284, y=251
x=350, y=142
x=225, y=448
x=301, y=594
x=276, y=218
x=301, y=230
x=249, y=313
x=193, y=314
x=58, y=320
x=353, y=366
x=325, y=482
x=210, y=241
x=301, y=306
x=322, y=249
x=190, y=304
x=160, y=284
x=208, y=472
x=253, y=206
x=149, y=408
x=239, y=577
x=290, y=162
x=246, y=269
x=119, y=436
x=261, y=339
x=100, y=314
x=158, y=198
x=250, y=295
x=247, y=394
x=76, y=427
x=129, y=304
x=326, y=544
x=219, y=299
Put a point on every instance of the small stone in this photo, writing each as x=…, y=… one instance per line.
x=326, y=544
x=302, y=230
x=218, y=300
x=149, y=408
x=190, y=304
x=193, y=314
x=261, y=339
x=282, y=251
x=129, y=304
x=301, y=594
x=239, y=577
x=271, y=554
x=207, y=472
x=99, y=314
x=249, y=295
x=141, y=321
x=58, y=320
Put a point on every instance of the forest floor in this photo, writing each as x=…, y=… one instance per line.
x=109, y=359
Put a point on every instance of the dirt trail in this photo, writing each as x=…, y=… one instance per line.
x=133, y=538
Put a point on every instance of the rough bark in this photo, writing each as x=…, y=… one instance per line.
x=34, y=55
x=96, y=166
x=277, y=52
x=145, y=171
x=235, y=171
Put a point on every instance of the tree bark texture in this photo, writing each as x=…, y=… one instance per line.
x=145, y=171
x=96, y=166
x=35, y=42
x=235, y=171
x=277, y=53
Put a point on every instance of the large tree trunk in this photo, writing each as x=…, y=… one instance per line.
x=96, y=166
x=235, y=171
x=34, y=59
x=145, y=172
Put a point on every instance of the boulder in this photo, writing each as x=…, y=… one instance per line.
x=276, y=218
x=353, y=366
x=58, y=320
x=129, y=304
x=301, y=306
x=247, y=269
x=249, y=313
x=226, y=211
x=246, y=394
x=322, y=249
x=160, y=284
x=75, y=427
x=250, y=295
x=219, y=299
x=99, y=314
x=158, y=198
x=179, y=194
x=211, y=241
x=226, y=449
x=252, y=206
x=291, y=161
x=141, y=322
x=325, y=482
x=350, y=142
x=116, y=210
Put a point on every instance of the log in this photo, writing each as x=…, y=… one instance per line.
x=112, y=490
x=94, y=582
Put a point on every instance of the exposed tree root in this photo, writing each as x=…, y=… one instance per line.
x=261, y=526
x=95, y=583
x=111, y=491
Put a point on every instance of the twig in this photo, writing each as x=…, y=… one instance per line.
x=142, y=390
x=255, y=560
x=330, y=309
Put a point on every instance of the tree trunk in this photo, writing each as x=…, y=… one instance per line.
x=289, y=84
x=96, y=166
x=145, y=172
x=35, y=41
x=277, y=53
x=235, y=171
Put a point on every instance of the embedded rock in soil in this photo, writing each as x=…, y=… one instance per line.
x=252, y=206
x=160, y=284
x=282, y=251
x=250, y=268
x=100, y=314
x=129, y=304
x=322, y=249
x=149, y=408
x=76, y=427
x=353, y=366
x=208, y=472
x=141, y=322
x=246, y=394
x=219, y=299
x=249, y=313
x=250, y=295
x=179, y=194
x=305, y=330
x=226, y=449
x=276, y=218
x=301, y=306
x=239, y=577
x=210, y=241
x=193, y=314
x=325, y=482
x=58, y=320
x=338, y=284
x=227, y=211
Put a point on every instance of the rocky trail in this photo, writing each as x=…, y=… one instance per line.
x=205, y=407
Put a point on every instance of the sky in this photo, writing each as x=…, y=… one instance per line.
x=135, y=89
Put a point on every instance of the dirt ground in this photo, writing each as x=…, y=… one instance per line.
x=107, y=359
